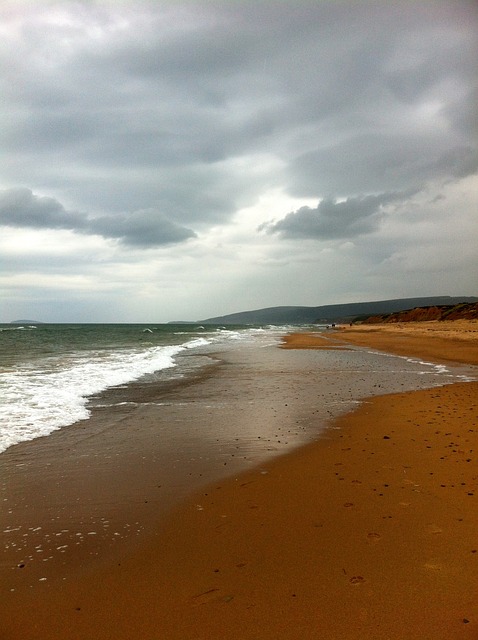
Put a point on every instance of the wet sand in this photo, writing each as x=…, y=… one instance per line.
x=371, y=532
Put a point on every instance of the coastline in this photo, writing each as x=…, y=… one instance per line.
x=442, y=341
x=368, y=532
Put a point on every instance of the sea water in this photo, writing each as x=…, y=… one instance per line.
x=48, y=372
x=51, y=375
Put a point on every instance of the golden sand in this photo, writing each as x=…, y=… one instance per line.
x=446, y=341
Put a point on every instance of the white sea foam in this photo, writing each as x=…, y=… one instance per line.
x=198, y=342
x=39, y=399
x=42, y=395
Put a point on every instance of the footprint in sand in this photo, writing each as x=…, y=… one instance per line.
x=433, y=528
x=206, y=596
x=357, y=580
x=373, y=537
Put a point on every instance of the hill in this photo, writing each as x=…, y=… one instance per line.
x=327, y=314
x=462, y=311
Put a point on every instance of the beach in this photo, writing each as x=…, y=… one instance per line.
x=366, y=530
x=445, y=341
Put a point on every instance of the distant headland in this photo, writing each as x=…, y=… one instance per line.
x=334, y=312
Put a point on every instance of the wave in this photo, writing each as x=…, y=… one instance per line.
x=41, y=397
x=50, y=388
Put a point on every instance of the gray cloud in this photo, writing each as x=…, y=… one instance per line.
x=178, y=90
x=375, y=162
x=334, y=220
x=21, y=208
x=149, y=122
x=147, y=228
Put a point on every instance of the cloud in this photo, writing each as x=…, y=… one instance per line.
x=145, y=228
x=333, y=219
x=150, y=106
x=146, y=123
x=21, y=208
x=378, y=162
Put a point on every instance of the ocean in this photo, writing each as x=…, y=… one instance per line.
x=53, y=375
x=49, y=373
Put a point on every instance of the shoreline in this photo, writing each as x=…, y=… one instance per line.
x=264, y=552
x=441, y=341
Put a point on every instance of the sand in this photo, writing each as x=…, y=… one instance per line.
x=371, y=532
x=445, y=341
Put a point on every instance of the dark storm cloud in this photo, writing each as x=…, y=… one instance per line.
x=148, y=228
x=334, y=220
x=140, y=105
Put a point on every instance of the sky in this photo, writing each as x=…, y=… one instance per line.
x=178, y=160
